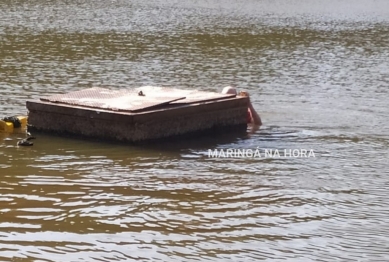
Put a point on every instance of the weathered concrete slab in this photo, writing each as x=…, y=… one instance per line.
x=116, y=100
x=132, y=100
x=201, y=112
x=191, y=96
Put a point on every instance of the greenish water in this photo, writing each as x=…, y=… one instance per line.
x=318, y=74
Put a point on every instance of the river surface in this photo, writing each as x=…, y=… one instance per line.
x=318, y=74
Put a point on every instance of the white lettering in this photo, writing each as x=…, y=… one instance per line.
x=249, y=153
x=221, y=154
x=229, y=152
x=287, y=152
x=268, y=152
x=257, y=153
x=311, y=153
x=212, y=154
x=239, y=153
x=276, y=153
x=296, y=153
x=303, y=153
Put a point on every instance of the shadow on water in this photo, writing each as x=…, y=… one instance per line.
x=196, y=141
x=199, y=140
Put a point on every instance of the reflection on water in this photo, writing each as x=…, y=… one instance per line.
x=316, y=72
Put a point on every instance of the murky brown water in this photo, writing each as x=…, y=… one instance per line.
x=318, y=73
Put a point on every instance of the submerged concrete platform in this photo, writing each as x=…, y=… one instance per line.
x=136, y=115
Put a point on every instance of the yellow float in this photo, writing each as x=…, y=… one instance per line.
x=8, y=126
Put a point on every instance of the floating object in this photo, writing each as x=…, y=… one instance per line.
x=8, y=124
x=139, y=114
x=26, y=141
x=6, y=127
x=30, y=138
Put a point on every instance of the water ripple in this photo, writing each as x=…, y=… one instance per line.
x=317, y=73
